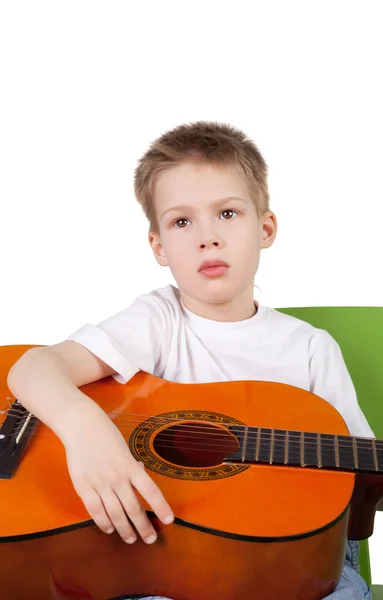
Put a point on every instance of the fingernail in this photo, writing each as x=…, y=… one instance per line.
x=131, y=539
x=110, y=530
x=168, y=519
x=151, y=539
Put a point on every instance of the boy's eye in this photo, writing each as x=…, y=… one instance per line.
x=228, y=214
x=180, y=221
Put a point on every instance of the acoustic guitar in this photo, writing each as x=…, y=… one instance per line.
x=265, y=482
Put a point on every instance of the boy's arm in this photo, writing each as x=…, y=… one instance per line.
x=46, y=381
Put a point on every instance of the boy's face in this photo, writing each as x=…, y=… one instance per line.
x=208, y=227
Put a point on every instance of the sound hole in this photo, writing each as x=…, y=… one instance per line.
x=195, y=444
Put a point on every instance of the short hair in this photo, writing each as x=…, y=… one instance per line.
x=207, y=142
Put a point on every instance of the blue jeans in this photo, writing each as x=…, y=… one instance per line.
x=351, y=586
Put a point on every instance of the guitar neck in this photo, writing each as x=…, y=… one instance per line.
x=259, y=445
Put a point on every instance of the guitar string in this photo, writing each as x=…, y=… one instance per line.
x=207, y=425
x=292, y=434
x=296, y=435
x=292, y=452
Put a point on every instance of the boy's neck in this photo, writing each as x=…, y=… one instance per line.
x=238, y=309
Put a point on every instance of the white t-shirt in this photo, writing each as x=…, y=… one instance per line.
x=159, y=335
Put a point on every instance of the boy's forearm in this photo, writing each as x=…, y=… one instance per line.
x=40, y=382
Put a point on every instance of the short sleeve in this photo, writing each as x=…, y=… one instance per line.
x=330, y=379
x=135, y=339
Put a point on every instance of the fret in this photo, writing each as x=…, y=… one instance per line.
x=355, y=452
x=251, y=441
x=286, y=460
x=336, y=445
x=302, y=449
x=258, y=444
x=319, y=450
x=264, y=445
x=271, y=447
x=374, y=455
x=244, y=444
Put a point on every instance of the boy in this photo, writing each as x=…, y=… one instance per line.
x=203, y=188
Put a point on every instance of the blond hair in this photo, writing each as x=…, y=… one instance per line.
x=214, y=143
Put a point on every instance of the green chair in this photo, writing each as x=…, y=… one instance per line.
x=359, y=333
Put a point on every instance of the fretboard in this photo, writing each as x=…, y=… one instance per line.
x=298, y=448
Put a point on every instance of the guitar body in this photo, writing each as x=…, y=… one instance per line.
x=241, y=530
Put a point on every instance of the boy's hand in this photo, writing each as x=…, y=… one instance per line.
x=105, y=474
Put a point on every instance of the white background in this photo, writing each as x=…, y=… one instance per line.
x=87, y=85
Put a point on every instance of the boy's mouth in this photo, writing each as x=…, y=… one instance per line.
x=213, y=268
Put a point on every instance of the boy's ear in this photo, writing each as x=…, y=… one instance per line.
x=269, y=229
x=158, y=249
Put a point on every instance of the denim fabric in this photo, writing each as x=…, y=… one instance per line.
x=351, y=586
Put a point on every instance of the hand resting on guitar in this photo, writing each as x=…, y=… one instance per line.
x=103, y=471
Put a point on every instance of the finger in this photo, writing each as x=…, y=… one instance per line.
x=153, y=495
x=136, y=512
x=95, y=508
x=117, y=515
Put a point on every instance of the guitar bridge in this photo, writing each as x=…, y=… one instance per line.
x=15, y=433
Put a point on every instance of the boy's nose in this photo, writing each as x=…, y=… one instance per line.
x=213, y=242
